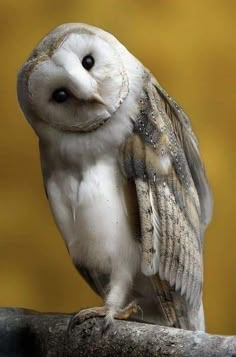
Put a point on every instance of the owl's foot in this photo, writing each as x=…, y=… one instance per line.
x=122, y=314
x=103, y=311
x=86, y=314
x=129, y=310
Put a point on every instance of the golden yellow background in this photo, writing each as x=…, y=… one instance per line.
x=190, y=47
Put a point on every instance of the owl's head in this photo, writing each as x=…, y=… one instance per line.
x=75, y=79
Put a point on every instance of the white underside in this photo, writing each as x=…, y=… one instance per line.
x=91, y=213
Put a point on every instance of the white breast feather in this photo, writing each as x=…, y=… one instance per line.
x=92, y=217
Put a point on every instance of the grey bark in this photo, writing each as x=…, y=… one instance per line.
x=29, y=333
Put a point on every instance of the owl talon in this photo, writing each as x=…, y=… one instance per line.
x=129, y=310
x=122, y=314
x=108, y=323
x=84, y=315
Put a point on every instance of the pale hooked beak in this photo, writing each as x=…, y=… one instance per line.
x=96, y=98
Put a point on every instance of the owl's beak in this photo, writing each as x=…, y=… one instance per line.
x=79, y=90
x=96, y=98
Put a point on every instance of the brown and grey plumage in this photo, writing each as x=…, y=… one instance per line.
x=123, y=175
x=162, y=158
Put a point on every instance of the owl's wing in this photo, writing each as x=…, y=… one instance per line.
x=188, y=140
x=174, y=198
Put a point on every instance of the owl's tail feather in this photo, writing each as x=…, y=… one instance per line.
x=172, y=303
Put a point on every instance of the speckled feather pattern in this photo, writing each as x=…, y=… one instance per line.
x=168, y=198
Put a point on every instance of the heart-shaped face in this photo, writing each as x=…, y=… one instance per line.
x=75, y=79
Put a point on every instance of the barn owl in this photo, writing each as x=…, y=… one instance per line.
x=123, y=176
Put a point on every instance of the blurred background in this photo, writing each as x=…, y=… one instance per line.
x=190, y=48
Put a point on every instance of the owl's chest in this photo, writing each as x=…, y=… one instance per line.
x=96, y=211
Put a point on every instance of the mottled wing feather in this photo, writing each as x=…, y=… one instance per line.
x=189, y=142
x=169, y=195
x=174, y=309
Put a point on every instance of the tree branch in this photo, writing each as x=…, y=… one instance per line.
x=29, y=333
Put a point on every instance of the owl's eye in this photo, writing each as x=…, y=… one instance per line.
x=88, y=62
x=60, y=95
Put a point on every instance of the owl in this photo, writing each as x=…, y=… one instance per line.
x=123, y=176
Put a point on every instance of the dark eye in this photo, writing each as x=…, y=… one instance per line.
x=88, y=62
x=60, y=95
